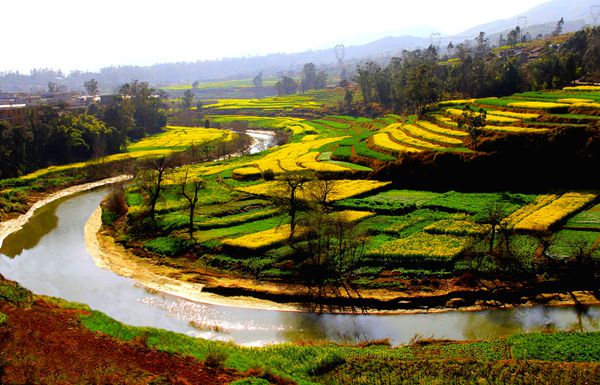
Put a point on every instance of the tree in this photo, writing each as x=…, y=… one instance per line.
x=472, y=122
x=195, y=84
x=348, y=97
x=52, y=87
x=559, y=27
x=329, y=260
x=150, y=181
x=320, y=192
x=258, y=80
x=286, y=86
x=514, y=36
x=91, y=86
x=188, y=99
x=190, y=189
x=287, y=199
x=494, y=213
x=483, y=44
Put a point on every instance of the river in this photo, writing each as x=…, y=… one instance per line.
x=49, y=256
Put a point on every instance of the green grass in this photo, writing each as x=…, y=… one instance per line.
x=167, y=245
x=475, y=203
x=320, y=363
x=589, y=219
x=565, y=241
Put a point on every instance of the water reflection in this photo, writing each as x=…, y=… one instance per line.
x=53, y=260
x=33, y=231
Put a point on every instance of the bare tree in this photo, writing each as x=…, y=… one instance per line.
x=332, y=254
x=288, y=199
x=190, y=188
x=150, y=181
x=320, y=191
x=494, y=213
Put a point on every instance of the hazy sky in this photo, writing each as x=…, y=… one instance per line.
x=86, y=35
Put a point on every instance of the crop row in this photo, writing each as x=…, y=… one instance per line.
x=342, y=189
x=383, y=141
x=442, y=130
x=422, y=246
x=421, y=133
x=539, y=202
x=232, y=220
x=262, y=239
x=489, y=118
x=557, y=210
x=456, y=227
x=398, y=134
x=511, y=114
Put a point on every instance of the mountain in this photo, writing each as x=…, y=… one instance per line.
x=550, y=12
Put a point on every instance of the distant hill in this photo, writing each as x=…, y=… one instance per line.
x=547, y=13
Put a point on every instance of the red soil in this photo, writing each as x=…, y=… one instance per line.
x=48, y=345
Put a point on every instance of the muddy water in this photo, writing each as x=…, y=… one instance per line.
x=49, y=256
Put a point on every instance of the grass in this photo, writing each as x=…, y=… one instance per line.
x=342, y=364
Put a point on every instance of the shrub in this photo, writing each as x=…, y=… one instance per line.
x=215, y=359
x=167, y=245
x=268, y=174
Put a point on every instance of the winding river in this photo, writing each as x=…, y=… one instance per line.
x=49, y=256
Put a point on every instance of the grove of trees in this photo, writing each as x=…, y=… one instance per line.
x=53, y=136
x=417, y=78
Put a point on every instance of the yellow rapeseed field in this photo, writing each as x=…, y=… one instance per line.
x=263, y=238
x=178, y=138
x=421, y=133
x=382, y=140
x=442, y=130
x=583, y=88
x=342, y=189
x=537, y=105
x=554, y=212
x=510, y=114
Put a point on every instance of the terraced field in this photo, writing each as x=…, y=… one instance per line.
x=413, y=233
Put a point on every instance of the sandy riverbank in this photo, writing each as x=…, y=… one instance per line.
x=109, y=255
x=13, y=225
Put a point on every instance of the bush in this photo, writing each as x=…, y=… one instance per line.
x=167, y=245
x=215, y=359
x=326, y=364
x=115, y=202
x=268, y=174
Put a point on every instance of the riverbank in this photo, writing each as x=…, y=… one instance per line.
x=10, y=226
x=212, y=287
x=109, y=255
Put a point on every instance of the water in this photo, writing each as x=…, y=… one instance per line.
x=49, y=256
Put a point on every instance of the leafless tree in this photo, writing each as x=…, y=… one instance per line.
x=150, y=181
x=190, y=188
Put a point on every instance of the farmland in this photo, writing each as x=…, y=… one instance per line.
x=241, y=228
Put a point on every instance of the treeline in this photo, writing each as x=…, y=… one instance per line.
x=417, y=78
x=51, y=136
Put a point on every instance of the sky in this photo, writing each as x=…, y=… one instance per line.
x=85, y=35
